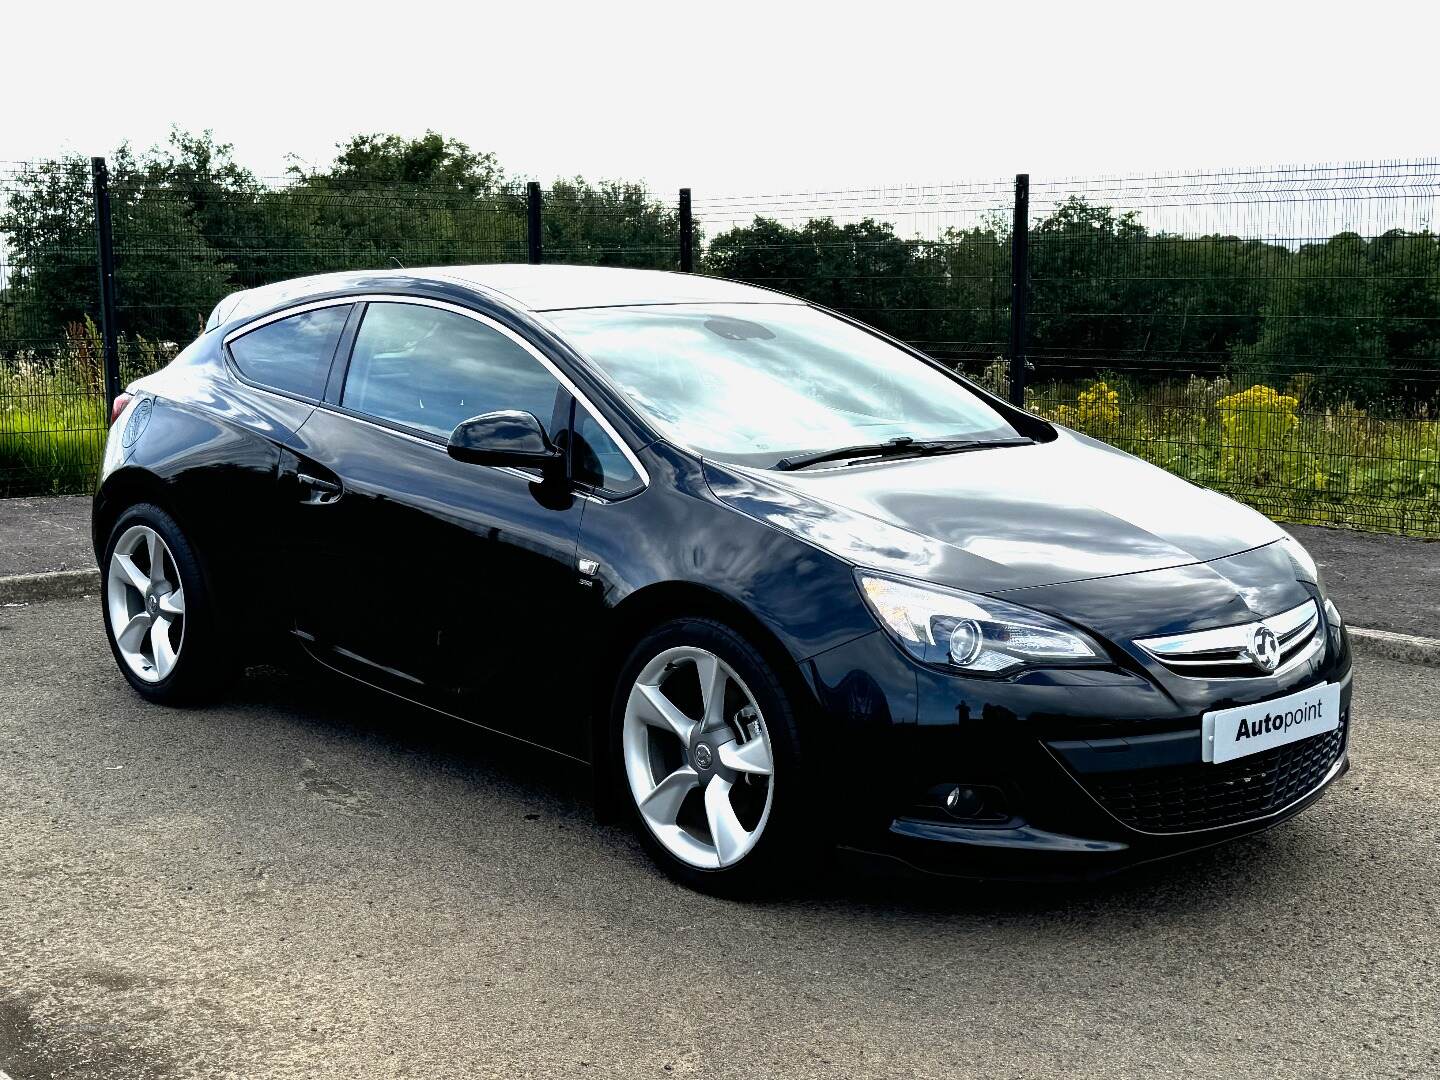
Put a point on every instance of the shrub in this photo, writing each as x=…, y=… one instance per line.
x=1096, y=411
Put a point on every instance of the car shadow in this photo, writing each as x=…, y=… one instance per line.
x=559, y=792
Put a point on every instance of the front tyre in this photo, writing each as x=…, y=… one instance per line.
x=707, y=749
x=159, y=611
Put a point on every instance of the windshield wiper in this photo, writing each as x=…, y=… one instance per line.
x=901, y=447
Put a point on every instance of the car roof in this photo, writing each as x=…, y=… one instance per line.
x=554, y=288
x=534, y=288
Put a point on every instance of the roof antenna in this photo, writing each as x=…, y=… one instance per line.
x=398, y=264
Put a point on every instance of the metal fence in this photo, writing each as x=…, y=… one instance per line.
x=1272, y=333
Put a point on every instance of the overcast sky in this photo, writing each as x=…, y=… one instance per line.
x=735, y=97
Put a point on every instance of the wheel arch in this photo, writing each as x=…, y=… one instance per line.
x=653, y=605
x=133, y=485
x=121, y=490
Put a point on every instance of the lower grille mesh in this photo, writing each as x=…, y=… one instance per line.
x=1205, y=796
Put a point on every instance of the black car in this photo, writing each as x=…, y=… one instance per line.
x=783, y=581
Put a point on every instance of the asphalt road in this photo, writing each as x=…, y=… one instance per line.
x=305, y=883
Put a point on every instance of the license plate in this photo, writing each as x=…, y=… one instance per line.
x=1227, y=734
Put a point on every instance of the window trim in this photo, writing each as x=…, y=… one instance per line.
x=596, y=491
x=233, y=366
x=566, y=383
x=335, y=391
x=340, y=369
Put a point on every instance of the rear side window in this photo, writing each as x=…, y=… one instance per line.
x=429, y=369
x=292, y=354
x=597, y=460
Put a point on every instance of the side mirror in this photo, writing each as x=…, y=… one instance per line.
x=508, y=437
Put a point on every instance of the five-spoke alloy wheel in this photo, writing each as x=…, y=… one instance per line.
x=146, y=603
x=698, y=757
x=707, y=756
x=159, y=610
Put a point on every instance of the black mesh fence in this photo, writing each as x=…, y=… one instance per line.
x=609, y=224
x=1274, y=333
x=53, y=412
x=930, y=265
x=1271, y=333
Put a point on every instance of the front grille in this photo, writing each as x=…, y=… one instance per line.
x=1227, y=651
x=1183, y=798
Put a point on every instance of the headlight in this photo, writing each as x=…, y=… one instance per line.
x=976, y=634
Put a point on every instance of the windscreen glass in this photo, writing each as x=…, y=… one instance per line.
x=754, y=383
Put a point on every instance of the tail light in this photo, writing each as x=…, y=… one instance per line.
x=119, y=407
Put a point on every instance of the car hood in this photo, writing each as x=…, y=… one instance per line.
x=992, y=521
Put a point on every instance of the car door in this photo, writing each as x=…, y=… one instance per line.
x=276, y=369
x=443, y=581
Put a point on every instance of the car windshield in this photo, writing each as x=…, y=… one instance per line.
x=757, y=383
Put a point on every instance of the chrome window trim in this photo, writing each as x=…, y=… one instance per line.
x=444, y=305
x=1225, y=646
x=275, y=316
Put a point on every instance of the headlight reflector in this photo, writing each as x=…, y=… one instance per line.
x=977, y=634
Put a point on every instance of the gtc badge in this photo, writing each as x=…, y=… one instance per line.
x=1264, y=649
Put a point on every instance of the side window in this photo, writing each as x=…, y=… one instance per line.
x=430, y=369
x=292, y=354
x=597, y=460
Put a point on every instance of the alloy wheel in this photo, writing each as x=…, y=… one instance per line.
x=698, y=758
x=146, y=603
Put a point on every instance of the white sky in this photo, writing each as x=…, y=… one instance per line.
x=738, y=98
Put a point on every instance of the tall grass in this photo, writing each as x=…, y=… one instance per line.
x=53, y=413
x=1271, y=448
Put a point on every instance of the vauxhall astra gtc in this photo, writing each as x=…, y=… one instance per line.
x=786, y=583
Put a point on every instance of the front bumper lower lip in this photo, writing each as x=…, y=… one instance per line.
x=1027, y=854
x=1020, y=837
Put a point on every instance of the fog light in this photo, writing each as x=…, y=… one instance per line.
x=973, y=803
x=964, y=802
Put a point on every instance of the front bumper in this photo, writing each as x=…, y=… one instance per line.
x=1089, y=772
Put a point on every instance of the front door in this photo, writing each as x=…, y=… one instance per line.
x=446, y=582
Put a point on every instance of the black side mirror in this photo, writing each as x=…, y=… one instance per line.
x=508, y=437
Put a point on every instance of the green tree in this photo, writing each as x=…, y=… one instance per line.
x=1320, y=321
x=1090, y=302
x=167, y=274
x=432, y=162
x=611, y=223
x=861, y=268
x=430, y=200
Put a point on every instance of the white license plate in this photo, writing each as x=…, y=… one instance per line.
x=1227, y=734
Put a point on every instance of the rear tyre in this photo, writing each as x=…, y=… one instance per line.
x=706, y=750
x=159, y=611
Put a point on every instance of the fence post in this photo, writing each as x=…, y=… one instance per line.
x=532, y=231
x=1019, y=288
x=687, y=233
x=105, y=252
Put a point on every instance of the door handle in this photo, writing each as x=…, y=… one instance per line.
x=316, y=489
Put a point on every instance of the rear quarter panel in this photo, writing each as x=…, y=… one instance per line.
x=209, y=455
